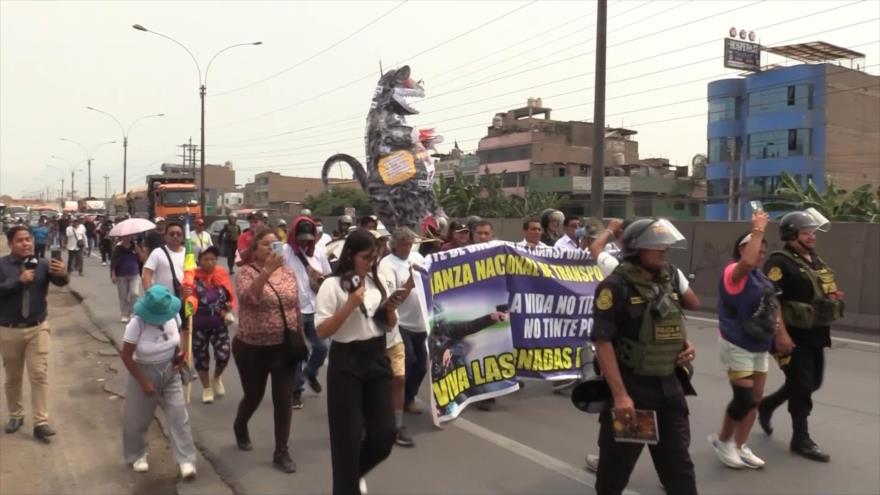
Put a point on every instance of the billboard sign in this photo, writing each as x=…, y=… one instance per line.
x=743, y=55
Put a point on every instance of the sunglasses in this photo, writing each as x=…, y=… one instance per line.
x=174, y=234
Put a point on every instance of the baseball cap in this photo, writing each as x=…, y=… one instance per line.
x=158, y=219
x=305, y=231
x=200, y=221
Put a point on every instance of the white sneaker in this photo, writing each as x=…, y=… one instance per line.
x=727, y=452
x=749, y=458
x=141, y=465
x=362, y=486
x=207, y=397
x=592, y=463
x=219, y=389
x=187, y=470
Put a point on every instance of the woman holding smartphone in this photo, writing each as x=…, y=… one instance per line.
x=353, y=309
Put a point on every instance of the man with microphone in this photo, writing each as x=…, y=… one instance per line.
x=24, y=331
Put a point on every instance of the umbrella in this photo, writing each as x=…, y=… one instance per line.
x=131, y=226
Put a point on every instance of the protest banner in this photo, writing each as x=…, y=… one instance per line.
x=500, y=310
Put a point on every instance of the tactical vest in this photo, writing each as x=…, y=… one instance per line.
x=661, y=338
x=821, y=310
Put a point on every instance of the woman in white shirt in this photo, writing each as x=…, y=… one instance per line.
x=150, y=353
x=353, y=309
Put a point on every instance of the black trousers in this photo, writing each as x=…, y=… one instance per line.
x=672, y=461
x=360, y=412
x=803, y=376
x=255, y=364
x=416, y=362
x=106, y=249
x=40, y=250
x=229, y=252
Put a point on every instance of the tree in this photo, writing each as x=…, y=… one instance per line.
x=334, y=202
x=462, y=196
x=860, y=205
x=698, y=166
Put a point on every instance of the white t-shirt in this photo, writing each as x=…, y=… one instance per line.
x=412, y=313
x=73, y=235
x=154, y=343
x=607, y=263
x=158, y=263
x=525, y=244
x=318, y=262
x=331, y=298
x=323, y=240
x=201, y=241
x=566, y=242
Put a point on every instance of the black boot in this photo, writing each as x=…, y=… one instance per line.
x=804, y=446
x=283, y=461
x=765, y=413
x=242, y=437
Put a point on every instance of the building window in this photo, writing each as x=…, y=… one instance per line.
x=642, y=207
x=694, y=209
x=723, y=109
x=720, y=188
x=508, y=180
x=780, y=144
x=505, y=154
x=678, y=205
x=725, y=149
x=764, y=186
x=776, y=99
x=562, y=171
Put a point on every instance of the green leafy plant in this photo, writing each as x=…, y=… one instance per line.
x=462, y=196
x=334, y=202
x=860, y=205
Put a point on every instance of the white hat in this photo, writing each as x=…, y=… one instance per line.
x=158, y=219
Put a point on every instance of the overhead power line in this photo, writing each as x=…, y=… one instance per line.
x=316, y=54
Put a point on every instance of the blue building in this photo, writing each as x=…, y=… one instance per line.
x=810, y=120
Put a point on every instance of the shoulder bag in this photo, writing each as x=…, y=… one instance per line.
x=294, y=344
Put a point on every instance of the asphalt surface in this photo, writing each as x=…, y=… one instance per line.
x=534, y=441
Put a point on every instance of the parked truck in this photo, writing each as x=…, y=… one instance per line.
x=92, y=206
x=172, y=197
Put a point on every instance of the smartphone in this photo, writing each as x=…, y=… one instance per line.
x=756, y=205
x=56, y=254
x=502, y=308
x=278, y=248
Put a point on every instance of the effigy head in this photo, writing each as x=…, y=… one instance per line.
x=394, y=90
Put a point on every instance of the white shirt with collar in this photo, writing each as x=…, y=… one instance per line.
x=318, y=261
x=412, y=313
x=566, y=242
x=74, y=234
x=332, y=297
x=524, y=243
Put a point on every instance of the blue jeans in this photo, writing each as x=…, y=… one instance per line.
x=317, y=352
x=416, y=362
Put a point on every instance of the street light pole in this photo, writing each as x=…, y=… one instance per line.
x=89, y=156
x=597, y=170
x=125, y=134
x=203, y=89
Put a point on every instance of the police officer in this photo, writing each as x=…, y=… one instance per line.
x=810, y=301
x=640, y=340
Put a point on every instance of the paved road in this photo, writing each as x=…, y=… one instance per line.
x=535, y=441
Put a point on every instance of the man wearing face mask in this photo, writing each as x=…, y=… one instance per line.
x=640, y=341
x=309, y=264
x=810, y=301
x=24, y=332
x=323, y=237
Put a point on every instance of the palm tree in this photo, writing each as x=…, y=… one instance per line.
x=860, y=205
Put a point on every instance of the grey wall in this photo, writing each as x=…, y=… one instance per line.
x=852, y=250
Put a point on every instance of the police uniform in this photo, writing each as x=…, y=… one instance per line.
x=808, y=308
x=647, y=346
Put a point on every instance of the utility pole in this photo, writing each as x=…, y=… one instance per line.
x=62, y=190
x=597, y=171
x=90, y=178
x=106, y=185
x=72, y=197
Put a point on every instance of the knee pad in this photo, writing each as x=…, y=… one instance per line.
x=743, y=402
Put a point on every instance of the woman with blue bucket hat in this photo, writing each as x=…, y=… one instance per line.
x=151, y=353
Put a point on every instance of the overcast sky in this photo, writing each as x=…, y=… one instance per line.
x=289, y=104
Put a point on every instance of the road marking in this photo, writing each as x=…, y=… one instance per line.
x=526, y=452
x=838, y=339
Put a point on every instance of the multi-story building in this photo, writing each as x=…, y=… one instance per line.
x=446, y=164
x=545, y=155
x=812, y=120
x=286, y=194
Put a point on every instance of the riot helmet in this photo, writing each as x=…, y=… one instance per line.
x=793, y=222
x=651, y=233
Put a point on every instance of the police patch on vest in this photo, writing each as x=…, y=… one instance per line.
x=604, y=301
x=667, y=332
x=827, y=280
x=775, y=274
x=636, y=300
